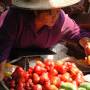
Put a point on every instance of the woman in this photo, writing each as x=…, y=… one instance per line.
x=35, y=24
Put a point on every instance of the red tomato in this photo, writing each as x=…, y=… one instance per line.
x=56, y=81
x=61, y=69
x=30, y=82
x=36, y=78
x=53, y=72
x=74, y=71
x=59, y=63
x=44, y=77
x=12, y=83
x=30, y=70
x=47, y=85
x=66, y=77
x=37, y=87
x=26, y=76
x=49, y=63
x=43, y=70
x=20, y=86
x=27, y=86
x=19, y=72
x=40, y=63
x=53, y=87
x=79, y=79
x=68, y=65
x=39, y=70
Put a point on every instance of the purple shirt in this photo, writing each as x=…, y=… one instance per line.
x=17, y=30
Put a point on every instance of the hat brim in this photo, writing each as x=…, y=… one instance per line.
x=45, y=5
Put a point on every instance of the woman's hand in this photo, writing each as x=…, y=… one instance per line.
x=87, y=49
x=85, y=43
x=2, y=64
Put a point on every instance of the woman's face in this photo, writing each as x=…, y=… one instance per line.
x=46, y=17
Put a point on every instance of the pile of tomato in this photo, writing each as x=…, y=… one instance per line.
x=46, y=75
